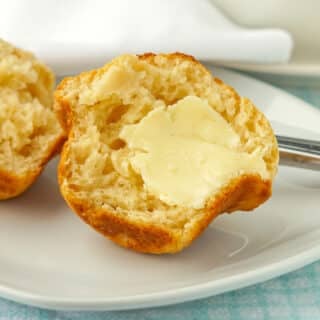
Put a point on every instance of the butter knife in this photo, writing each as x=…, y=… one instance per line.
x=300, y=153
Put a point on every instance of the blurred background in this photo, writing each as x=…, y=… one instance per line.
x=270, y=37
x=300, y=18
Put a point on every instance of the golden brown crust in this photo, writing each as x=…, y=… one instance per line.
x=140, y=237
x=246, y=192
x=63, y=112
x=175, y=55
x=12, y=185
x=150, y=57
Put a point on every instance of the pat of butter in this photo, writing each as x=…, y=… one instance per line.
x=186, y=152
x=115, y=80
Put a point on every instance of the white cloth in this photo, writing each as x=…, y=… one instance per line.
x=76, y=35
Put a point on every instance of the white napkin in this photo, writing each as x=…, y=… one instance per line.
x=76, y=35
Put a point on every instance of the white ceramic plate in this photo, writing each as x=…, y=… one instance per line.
x=49, y=258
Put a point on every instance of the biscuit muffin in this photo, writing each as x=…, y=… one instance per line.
x=30, y=133
x=157, y=148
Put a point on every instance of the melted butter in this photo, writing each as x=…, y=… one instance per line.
x=186, y=152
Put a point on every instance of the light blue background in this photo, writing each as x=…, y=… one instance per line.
x=292, y=296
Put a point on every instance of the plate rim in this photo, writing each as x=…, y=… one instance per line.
x=167, y=297
x=291, y=69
